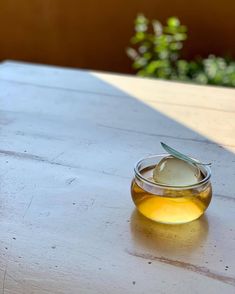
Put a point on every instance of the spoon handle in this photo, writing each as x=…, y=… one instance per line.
x=181, y=156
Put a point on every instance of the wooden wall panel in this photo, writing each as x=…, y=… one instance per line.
x=94, y=34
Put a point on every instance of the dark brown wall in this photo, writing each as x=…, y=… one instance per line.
x=94, y=33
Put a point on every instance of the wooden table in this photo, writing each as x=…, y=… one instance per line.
x=69, y=141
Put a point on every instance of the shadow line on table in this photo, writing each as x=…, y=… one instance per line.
x=201, y=270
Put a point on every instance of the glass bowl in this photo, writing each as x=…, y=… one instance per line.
x=169, y=204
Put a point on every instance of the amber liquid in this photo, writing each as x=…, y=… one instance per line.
x=175, y=206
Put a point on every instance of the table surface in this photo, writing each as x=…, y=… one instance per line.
x=69, y=141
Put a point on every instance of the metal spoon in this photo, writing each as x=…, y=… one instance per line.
x=181, y=156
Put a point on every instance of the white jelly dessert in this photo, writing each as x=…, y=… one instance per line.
x=176, y=172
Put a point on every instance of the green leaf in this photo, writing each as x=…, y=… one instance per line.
x=132, y=53
x=139, y=62
x=157, y=27
x=180, y=36
x=176, y=46
x=173, y=22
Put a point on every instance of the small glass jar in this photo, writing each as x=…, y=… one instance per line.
x=169, y=204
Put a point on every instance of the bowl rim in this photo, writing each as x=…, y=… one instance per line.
x=159, y=185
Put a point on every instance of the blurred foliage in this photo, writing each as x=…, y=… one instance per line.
x=157, y=50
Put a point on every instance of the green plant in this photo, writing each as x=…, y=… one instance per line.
x=157, y=51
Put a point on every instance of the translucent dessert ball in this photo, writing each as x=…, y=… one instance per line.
x=176, y=172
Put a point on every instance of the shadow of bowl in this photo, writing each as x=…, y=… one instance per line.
x=166, y=239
